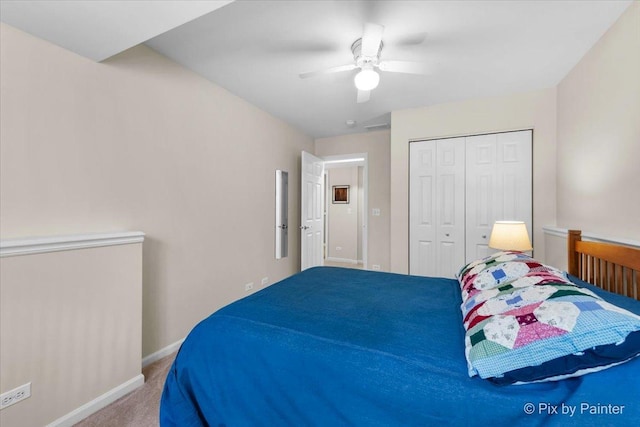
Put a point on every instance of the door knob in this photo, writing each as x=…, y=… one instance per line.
x=447, y=234
x=304, y=227
x=484, y=236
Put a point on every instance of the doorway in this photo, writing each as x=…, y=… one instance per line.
x=345, y=208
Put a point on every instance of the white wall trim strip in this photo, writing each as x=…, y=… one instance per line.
x=154, y=357
x=37, y=245
x=98, y=403
x=562, y=232
x=343, y=260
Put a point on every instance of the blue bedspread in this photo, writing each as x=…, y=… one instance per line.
x=332, y=346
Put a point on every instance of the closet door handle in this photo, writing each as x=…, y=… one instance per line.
x=484, y=236
x=447, y=234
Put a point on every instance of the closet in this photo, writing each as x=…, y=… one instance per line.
x=458, y=187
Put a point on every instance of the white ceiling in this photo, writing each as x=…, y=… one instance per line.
x=99, y=29
x=256, y=49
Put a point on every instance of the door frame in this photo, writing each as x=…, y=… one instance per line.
x=350, y=160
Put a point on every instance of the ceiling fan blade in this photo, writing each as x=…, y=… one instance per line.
x=328, y=71
x=371, y=39
x=404, y=67
x=411, y=40
x=363, y=96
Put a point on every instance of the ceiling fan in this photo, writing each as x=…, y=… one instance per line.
x=366, y=56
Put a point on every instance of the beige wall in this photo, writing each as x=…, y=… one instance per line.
x=599, y=135
x=70, y=324
x=140, y=143
x=532, y=110
x=556, y=250
x=343, y=218
x=376, y=145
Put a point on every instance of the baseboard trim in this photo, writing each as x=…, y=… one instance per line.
x=153, y=357
x=98, y=403
x=343, y=260
x=111, y=396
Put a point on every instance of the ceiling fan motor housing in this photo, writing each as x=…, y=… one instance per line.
x=365, y=61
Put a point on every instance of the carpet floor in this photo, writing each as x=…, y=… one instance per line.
x=139, y=408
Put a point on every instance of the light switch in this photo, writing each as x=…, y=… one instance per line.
x=376, y=211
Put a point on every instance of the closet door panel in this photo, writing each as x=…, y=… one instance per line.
x=515, y=166
x=448, y=263
x=424, y=262
x=436, y=212
x=422, y=209
x=480, y=190
x=515, y=150
x=450, y=206
x=498, y=186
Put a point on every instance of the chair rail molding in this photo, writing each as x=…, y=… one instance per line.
x=37, y=245
x=588, y=236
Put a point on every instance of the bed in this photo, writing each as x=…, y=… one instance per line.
x=333, y=346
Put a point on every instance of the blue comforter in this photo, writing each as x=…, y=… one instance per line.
x=333, y=346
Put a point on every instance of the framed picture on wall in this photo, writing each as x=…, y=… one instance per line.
x=340, y=194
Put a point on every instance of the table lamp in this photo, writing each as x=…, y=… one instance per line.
x=510, y=236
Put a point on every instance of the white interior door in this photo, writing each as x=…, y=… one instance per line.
x=311, y=221
x=498, y=187
x=437, y=235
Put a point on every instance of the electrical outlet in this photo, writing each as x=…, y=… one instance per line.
x=14, y=396
x=338, y=248
x=248, y=286
x=265, y=280
x=375, y=267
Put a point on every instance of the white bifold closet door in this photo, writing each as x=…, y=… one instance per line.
x=458, y=187
x=437, y=207
x=498, y=186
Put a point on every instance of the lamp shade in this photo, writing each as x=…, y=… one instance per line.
x=367, y=79
x=510, y=236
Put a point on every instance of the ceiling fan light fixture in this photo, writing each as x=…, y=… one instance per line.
x=367, y=79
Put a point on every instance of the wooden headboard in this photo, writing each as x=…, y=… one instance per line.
x=614, y=268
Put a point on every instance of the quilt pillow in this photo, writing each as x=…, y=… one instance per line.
x=526, y=322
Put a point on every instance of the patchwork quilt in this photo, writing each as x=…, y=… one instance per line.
x=526, y=322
